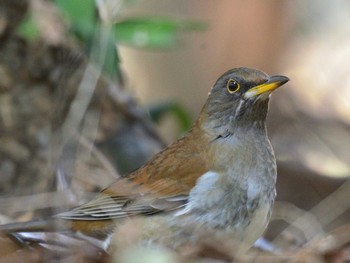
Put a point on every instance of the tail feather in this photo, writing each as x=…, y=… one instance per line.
x=35, y=226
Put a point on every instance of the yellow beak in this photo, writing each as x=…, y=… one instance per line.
x=273, y=83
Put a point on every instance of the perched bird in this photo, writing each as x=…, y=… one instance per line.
x=220, y=176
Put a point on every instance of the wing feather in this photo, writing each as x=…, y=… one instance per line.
x=162, y=185
x=104, y=207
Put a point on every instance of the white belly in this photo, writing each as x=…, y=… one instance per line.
x=239, y=211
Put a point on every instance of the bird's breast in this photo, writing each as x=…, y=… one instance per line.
x=238, y=193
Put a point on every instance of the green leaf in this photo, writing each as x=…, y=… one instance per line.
x=28, y=29
x=83, y=20
x=104, y=51
x=81, y=15
x=160, y=110
x=153, y=32
x=111, y=63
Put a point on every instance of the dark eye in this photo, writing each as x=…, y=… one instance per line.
x=232, y=86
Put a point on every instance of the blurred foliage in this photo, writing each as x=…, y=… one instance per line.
x=146, y=32
x=81, y=15
x=153, y=32
x=29, y=29
x=181, y=115
x=100, y=41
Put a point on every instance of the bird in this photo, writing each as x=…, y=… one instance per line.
x=220, y=176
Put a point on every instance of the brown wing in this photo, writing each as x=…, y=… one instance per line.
x=171, y=172
x=162, y=184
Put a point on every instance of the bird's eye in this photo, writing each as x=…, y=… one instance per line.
x=232, y=86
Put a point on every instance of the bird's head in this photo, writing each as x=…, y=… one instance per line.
x=239, y=98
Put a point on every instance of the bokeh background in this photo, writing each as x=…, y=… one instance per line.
x=309, y=120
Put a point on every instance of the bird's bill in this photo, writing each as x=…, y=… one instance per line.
x=273, y=83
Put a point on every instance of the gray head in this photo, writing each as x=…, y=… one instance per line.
x=239, y=98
